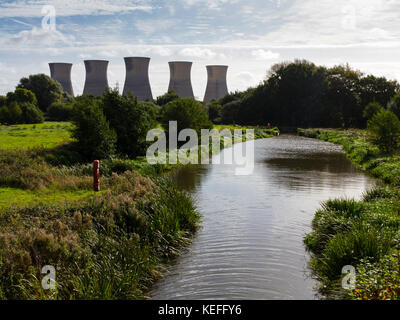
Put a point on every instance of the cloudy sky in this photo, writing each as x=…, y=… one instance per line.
x=247, y=35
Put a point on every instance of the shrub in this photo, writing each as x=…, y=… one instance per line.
x=3, y=101
x=31, y=113
x=384, y=128
x=130, y=120
x=394, y=105
x=95, y=139
x=372, y=109
x=46, y=90
x=60, y=111
x=214, y=111
x=13, y=113
x=230, y=112
x=22, y=96
x=188, y=113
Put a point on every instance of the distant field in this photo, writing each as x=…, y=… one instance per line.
x=46, y=135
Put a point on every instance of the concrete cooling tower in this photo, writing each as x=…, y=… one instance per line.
x=96, y=77
x=180, y=78
x=61, y=72
x=137, y=78
x=216, y=85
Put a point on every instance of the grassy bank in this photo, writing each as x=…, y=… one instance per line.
x=364, y=234
x=108, y=245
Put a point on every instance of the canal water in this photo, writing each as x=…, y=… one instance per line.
x=250, y=245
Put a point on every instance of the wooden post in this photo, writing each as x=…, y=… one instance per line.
x=96, y=175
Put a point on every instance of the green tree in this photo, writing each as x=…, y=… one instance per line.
x=188, y=113
x=166, y=98
x=394, y=105
x=22, y=96
x=371, y=109
x=214, y=110
x=95, y=139
x=60, y=111
x=230, y=111
x=384, y=128
x=3, y=101
x=46, y=90
x=31, y=113
x=130, y=120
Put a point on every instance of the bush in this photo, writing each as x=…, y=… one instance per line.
x=16, y=113
x=230, y=112
x=22, y=96
x=46, y=90
x=371, y=109
x=394, y=105
x=31, y=113
x=188, y=113
x=95, y=139
x=12, y=113
x=3, y=101
x=60, y=111
x=214, y=111
x=130, y=120
x=384, y=128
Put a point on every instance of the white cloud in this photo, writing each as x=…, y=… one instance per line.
x=262, y=54
x=154, y=25
x=38, y=37
x=30, y=8
x=198, y=52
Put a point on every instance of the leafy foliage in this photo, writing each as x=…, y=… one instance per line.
x=371, y=109
x=166, y=98
x=130, y=120
x=384, y=128
x=60, y=111
x=46, y=90
x=302, y=94
x=188, y=113
x=95, y=139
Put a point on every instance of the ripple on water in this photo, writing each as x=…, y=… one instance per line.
x=250, y=245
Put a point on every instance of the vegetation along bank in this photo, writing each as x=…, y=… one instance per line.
x=366, y=233
x=107, y=245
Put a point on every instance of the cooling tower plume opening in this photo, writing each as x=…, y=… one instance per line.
x=96, y=77
x=137, y=78
x=61, y=72
x=180, y=80
x=216, y=84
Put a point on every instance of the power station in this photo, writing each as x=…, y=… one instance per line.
x=96, y=77
x=180, y=80
x=61, y=72
x=216, y=84
x=137, y=78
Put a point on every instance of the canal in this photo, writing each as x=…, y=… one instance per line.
x=250, y=245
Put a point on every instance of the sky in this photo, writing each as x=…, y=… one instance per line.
x=247, y=35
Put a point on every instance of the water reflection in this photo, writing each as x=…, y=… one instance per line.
x=250, y=245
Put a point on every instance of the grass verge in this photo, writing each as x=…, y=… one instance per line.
x=364, y=234
x=109, y=245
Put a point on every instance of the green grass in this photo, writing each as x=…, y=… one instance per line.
x=364, y=234
x=24, y=198
x=28, y=136
x=108, y=245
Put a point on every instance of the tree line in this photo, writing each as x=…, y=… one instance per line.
x=302, y=94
